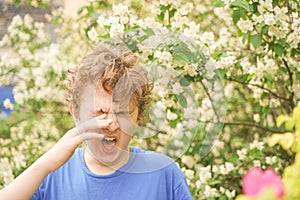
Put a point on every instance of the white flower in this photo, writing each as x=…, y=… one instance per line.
x=171, y=115
x=274, y=103
x=188, y=160
x=192, y=31
x=116, y=30
x=19, y=98
x=40, y=81
x=100, y=21
x=257, y=145
x=208, y=38
x=269, y=18
x=215, y=168
x=190, y=174
x=120, y=9
x=225, y=62
x=281, y=13
x=204, y=174
x=28, y=21
x=165, y=2
x=191, y=123
x=226, y=168
x=190, y=70
x=93, y=35
x=163, y=57
x=229, y=166
x=163, y=139
x=257, y=19
x=19, y=161
x=154, y=9
x=210, y=192
x=7, y=104
x=294, y=39
x=24, y=36
x=245, y=25
x=267, y=4
x=16, y=21
x=177, y=88
x=256, y=117
x=256, y=163
x=242, y=154
x=190, y=112
x=185, y=8
x=230, y=194
x=271, y=160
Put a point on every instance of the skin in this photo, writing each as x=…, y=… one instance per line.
x=86, y=125
x=97, y=102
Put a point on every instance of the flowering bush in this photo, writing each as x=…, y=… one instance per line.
x=238, y=58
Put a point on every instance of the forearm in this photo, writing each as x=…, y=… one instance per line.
x=24, y=186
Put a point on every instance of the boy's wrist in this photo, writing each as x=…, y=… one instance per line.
x=42, y=165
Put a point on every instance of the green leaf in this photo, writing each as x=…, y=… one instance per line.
x=241, y=4
x=249, y=77
x=221, y=73
x=297, y=75
x=268, y=77
x=214, y=182
x=184, y=82
x=223, y=197
x=182, y=100
x=161, y=16
x=173, y=123
x=172, y=13
x=278, y=49
x=264, y=29
x=79, y=11
x=237, y=14
x=256, y=40
x=245, y=37
x=218, y=4
x=183, y=53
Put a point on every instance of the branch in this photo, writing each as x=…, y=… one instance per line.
x=212, y=104
x=291, y=97
x=261, y=87
x=252, y=125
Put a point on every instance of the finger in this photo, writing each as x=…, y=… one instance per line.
x=101, y=116
x=90, y=136
x=80, y=138
x=93, y=124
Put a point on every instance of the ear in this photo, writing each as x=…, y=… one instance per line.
x=74, y=115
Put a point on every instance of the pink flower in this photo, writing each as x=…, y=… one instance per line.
x=257, y=180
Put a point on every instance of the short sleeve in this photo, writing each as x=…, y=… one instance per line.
x=182, y=191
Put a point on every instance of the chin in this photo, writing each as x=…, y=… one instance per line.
x=108, y=157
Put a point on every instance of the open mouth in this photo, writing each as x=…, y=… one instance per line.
x=109, y=144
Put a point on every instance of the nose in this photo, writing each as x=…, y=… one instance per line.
x=114, y=125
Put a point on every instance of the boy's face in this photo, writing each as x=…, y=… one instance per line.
x=95, y=102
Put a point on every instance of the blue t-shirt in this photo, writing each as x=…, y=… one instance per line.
x=146, y=176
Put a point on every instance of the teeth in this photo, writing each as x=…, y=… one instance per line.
x=109, y=139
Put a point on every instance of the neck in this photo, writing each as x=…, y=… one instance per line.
x=100, y=168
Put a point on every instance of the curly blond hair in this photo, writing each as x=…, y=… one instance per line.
x=113, y=67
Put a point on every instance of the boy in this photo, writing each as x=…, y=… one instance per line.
x=107, y=95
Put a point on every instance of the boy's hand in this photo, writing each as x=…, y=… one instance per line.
x=65, y=147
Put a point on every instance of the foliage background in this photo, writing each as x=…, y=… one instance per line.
x=246, y=50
